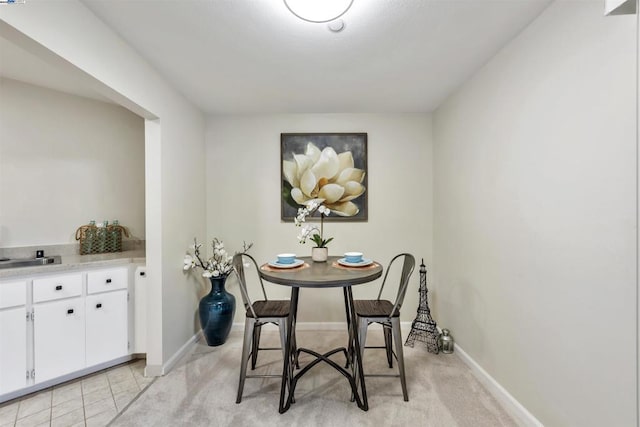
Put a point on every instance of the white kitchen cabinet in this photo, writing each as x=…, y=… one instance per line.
x=60, y=326
x=13, y=336
x=59, y=338
x=107, y=332
x=106, y=327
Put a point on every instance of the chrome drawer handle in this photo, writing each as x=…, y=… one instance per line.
x=58, y=287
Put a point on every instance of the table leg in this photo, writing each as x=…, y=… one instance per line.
x=355, y=342
x=287, y=369
x=349, y=326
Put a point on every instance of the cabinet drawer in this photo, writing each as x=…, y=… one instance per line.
x=57, y=287
x=13, y=294
x=107, y=280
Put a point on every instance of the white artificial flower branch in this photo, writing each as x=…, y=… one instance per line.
x=219, y=265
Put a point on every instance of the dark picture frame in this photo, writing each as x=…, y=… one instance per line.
x=346, y=146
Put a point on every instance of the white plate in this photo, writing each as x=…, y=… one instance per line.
x=363, y=263
x=296, y=263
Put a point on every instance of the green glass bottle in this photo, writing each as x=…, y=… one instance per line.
x=115, y=236
x=89, y=239
x=101, y=236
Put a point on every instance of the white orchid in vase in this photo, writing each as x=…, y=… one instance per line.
x=312, y=231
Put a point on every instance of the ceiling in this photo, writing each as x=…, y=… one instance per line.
x=254, y=56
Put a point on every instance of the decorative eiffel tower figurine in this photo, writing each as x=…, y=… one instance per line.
x=424, y=328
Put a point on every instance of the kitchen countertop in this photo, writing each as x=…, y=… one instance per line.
x=79, y=262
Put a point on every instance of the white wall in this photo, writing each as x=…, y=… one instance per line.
x=535, y=217
x=65, y=160
x=70, y=35
x=243, y=196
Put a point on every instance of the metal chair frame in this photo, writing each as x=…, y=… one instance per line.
x=253, y=324
x=390, y=322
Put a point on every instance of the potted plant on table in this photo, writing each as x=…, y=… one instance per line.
x=320, y=252
x=217, y=308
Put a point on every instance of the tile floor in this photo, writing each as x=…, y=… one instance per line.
x=89, y=401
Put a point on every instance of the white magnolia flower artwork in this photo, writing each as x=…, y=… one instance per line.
x=325, y=177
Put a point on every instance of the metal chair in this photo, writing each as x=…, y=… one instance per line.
x=258, y=313
x=388, y=315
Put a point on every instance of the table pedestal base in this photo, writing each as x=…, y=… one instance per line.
x=352, y=353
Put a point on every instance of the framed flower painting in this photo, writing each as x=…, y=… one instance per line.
x=329, y=168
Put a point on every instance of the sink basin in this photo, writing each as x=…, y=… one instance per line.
x=29, y=262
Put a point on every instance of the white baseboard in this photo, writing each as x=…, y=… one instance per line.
x=508, y=402
x=159, y=370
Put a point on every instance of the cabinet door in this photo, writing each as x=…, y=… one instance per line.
x=107, y=327
x=13, y=349
x=58, y=334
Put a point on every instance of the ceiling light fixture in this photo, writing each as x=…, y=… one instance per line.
x=318, y=11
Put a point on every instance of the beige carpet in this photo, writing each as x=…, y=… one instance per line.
x=201, y=391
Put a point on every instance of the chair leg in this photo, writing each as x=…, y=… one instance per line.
x=256, y=345
x=395, y=324
x=386, y=329
x=248, y=338
x=363, y=325
x=282, y=326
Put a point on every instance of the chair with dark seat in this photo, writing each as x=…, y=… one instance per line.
x=387, y=314
x=258, y=313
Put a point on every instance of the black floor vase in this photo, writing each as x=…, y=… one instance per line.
x=216, y=312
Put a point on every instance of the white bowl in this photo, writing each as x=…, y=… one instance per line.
x=286, y=258
x=353, y=256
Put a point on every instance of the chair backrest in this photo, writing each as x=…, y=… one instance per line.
x=238, y=268
x=407, y=268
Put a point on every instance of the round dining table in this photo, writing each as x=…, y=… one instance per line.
x=329, y=274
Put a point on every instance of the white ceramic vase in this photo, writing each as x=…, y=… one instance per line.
x=319, y=254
